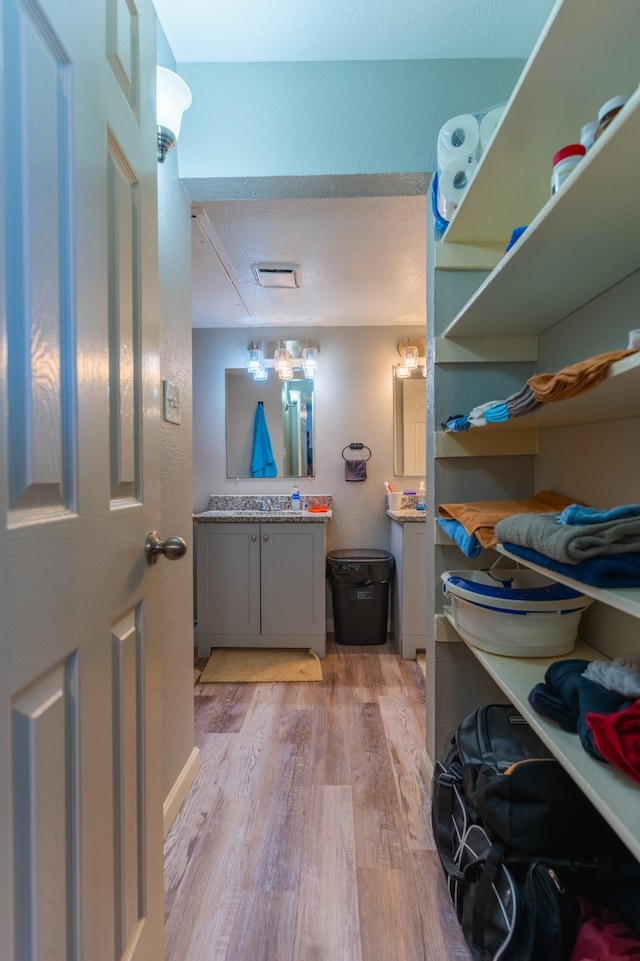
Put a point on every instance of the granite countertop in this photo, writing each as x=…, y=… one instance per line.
x=261, y=516
x=265, y=509
x=409, y=516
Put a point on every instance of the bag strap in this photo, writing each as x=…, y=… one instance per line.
x=483, y=892
x=441, y=824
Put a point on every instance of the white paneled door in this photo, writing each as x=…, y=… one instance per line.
x=80, y=787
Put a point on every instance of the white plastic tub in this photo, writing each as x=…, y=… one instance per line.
x=518, y=613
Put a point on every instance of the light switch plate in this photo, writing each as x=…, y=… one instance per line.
x=170, y=402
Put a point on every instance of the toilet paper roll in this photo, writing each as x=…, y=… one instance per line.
x=487, y=126
x=459, y=138
x=453, y=181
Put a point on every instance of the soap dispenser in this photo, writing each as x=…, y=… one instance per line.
x=421, y=499
x=295, y=500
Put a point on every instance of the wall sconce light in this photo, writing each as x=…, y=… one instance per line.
x=310, y=362
x=412, y=355
x=285, y=357
x=173, y=97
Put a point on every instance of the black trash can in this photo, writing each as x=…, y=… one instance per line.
x=359, y=579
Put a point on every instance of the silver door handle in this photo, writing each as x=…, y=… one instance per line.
x=173, y=548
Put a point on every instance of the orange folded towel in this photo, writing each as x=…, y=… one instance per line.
x=480, y=517
x=576, y=379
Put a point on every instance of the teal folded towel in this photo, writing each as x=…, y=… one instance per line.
x=263, y=463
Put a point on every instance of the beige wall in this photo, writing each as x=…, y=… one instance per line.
x=353, y=396
x=174, y=246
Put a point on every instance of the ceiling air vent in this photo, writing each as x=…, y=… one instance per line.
x=277, y=275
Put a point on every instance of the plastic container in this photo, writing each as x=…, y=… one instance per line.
x=609, y=110
x=517, y=613
x=588, y=134
x=421, y=498
x=359, y=579
x=565, y=162
x=296, y=503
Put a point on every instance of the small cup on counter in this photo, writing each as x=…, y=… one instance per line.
x=394, y=500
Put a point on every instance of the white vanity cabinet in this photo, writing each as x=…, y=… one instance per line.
x=408, y=546
x=261, y=585
x=566, y=291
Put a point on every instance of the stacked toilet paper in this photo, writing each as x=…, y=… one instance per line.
x=461, y=141
x=458, y=151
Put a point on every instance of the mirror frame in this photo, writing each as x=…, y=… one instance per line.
x=242, y=394
x=400, y=422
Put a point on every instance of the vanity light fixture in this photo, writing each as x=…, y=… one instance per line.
x=409, y=354
x=283, y=363
x=255, y=360
x=287, y=357
x=310, y=362
x=412, y=355
x=173, y=97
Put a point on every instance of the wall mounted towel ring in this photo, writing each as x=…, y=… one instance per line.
x=356, y=446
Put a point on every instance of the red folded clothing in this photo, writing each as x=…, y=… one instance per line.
x=604, y=937
x=617, y=737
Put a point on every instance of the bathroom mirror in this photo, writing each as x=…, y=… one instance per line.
x=289, y=415
x=409, y=424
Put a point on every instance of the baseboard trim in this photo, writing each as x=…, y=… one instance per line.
x=180, y=789
x=426, y=771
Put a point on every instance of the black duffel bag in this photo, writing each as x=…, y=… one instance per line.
x=524, y=843
x=522, y=792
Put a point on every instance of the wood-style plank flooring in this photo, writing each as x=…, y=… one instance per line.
x=306, y=836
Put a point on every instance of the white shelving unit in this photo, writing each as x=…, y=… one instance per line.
x=587, y=53
x=577, y=245
x=612, y=793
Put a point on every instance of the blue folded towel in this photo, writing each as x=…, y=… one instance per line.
x=468, y=543
x=567, y=697
x=263, y=463
x=577, y=514
x=608, y=570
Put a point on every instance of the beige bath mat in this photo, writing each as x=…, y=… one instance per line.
x=252, y=665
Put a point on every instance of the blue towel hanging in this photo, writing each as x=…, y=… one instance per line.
x=262, y=460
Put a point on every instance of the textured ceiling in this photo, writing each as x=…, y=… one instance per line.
x=292, y=30
x=363, y=262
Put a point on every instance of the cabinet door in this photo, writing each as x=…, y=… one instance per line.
x=228, y=573
x=293, y=579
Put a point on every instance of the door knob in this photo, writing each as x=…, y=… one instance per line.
x=173, y=548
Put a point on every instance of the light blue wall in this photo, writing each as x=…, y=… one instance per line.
x=257, y=120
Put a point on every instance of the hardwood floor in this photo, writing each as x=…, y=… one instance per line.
x=306, y=836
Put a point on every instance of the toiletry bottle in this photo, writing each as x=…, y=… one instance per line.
x=421, y=499
x=295, y=500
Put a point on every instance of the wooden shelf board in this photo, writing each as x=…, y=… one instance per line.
x=473, y=350
x=559, y=263
x=495, y=441
x=512, y=181
x=622, y=599
x=615, y=795
x=616, y=398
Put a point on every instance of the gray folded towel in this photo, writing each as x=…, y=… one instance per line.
x=569, y=543
x=622, y=675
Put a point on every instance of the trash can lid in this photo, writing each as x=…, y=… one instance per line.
x=360, y=554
